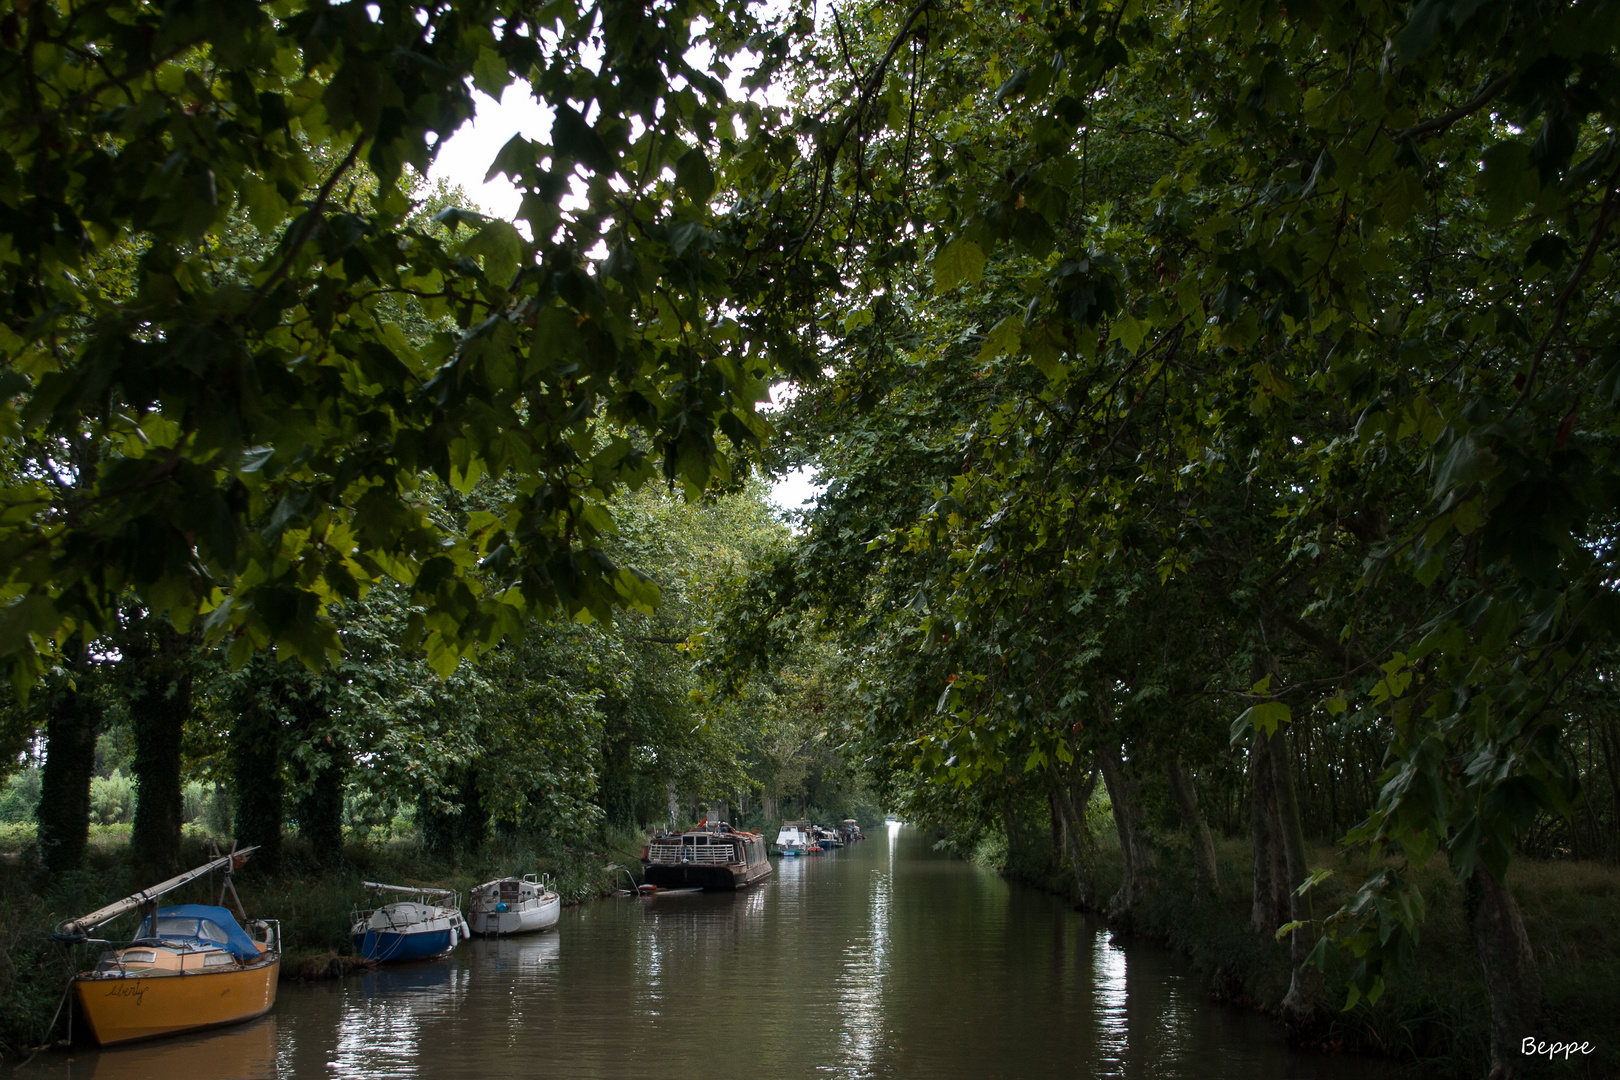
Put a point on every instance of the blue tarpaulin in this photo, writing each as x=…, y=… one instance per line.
x=202, y=924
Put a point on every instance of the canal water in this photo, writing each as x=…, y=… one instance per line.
x=884, y=959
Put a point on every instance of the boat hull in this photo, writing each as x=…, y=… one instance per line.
x=388, y=946
x=127, y=1008
x=531, y=920
x=710, y=877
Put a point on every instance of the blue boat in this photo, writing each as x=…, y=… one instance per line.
x=427, y=924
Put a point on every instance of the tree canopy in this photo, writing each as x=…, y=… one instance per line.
x=1245, y=370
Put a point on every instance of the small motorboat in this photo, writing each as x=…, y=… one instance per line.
x=828, y=839
x=189, y=967
x=513, y=905
x=851, y=831
x=795, y=838
x=427, y=924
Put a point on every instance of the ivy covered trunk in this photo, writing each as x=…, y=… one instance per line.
x=1512, y=976
x=320, y=811
x=73, y=716
x=256, y=763
x=1203, y=846
x=458, y=830
x=1136, y=852
x=159, y=705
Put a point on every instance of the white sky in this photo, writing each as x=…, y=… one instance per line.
x=465, y=159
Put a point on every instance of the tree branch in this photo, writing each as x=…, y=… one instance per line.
x=1438, y=125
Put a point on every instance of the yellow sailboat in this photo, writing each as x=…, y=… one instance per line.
x=190, y=966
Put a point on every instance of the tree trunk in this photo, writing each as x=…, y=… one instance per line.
x=1512, y=977
x=320, y=811
x=1270, y=905
x=159, y=706
x=70, y=763
x=1135, y=850
x=456, y=835
x=1076, y=830
x=674, y=804
x=256, y=767
x=1203, y=846
x=1300, y=1008
x=1059, y=833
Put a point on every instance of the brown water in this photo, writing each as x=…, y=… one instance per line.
x=884, y=959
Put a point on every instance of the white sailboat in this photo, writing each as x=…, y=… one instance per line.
x=512, y=905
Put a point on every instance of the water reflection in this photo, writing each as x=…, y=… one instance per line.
x=240, y=1053
x=1112, y=1015
x=883, y=959
x=860, y=986
x=385, y=1014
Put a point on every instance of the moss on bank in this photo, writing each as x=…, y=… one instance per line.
x=315, y=906
x=1437, y=1017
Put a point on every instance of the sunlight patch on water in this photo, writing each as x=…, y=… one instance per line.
x=1112, y=998
x=860, y=986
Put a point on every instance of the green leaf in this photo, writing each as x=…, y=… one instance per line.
x=34, y=616
x=1128, y=330
x=1004, y=337
x=960, y=260
x=578, y=141
x=693, y=174
x=501, y=246
x=1265, y=718
x=1467, y=462
x=1507, y=182
x=489, y=72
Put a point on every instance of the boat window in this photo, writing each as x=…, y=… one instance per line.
x=218, y=959
x=183, y=928
x=139, y=956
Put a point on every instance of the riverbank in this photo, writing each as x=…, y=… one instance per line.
x=1437, y=1017
x=314, y=904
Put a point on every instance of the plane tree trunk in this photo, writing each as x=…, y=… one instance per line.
x=1301, y=1006
x=1512, y=976
x=1203, y=845
x=1269, y=907
x=1136, y=852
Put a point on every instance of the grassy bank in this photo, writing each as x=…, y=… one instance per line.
x=1437, y=1016
x=314, y=904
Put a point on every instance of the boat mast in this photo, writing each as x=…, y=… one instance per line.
x=80, y=929
x=410, y=890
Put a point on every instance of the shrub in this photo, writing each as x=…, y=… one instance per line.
x=112, y=799
x=19, y=797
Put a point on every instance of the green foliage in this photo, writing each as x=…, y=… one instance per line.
x=112, y=799
x=208, y=224
x=1307, y=419
x=19, y=796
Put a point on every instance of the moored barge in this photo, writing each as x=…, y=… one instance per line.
x=712, y=856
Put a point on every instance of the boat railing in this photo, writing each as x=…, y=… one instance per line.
x=271, y=928
x=702, y=854
x=426, y=894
